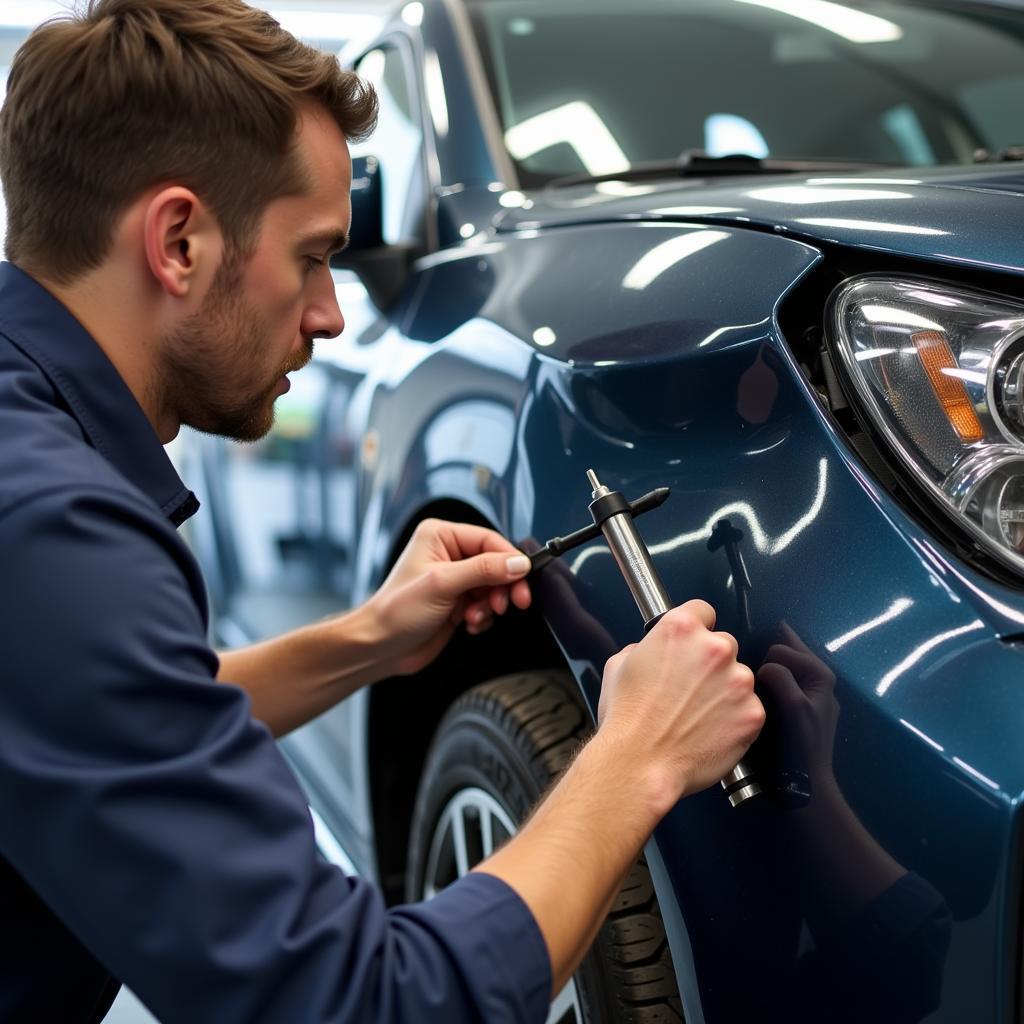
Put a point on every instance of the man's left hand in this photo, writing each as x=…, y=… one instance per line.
x=448, y=574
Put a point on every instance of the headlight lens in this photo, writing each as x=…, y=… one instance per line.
x=941, y=372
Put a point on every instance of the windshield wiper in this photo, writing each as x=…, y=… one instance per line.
x=696, y=163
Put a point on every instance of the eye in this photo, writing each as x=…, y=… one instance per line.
x=311, y=263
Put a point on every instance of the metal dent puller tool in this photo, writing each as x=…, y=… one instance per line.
x=613, y=516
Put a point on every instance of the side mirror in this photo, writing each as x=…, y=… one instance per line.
x=382, y=268
x=367, y=230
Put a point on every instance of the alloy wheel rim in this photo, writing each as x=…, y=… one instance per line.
x=468, y=830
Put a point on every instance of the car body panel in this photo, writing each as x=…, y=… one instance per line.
x=950, y=218
x=638, y=329
x=642, y=385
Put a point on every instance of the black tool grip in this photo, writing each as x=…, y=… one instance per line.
x=608, y=505
x=559, y=545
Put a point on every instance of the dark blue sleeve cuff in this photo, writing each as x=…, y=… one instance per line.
x=495, y=941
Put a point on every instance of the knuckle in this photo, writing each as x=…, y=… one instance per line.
x=743, y=678
x=702, y=611
x=433, y=577
x=425, y=527
x=759, y=715
x=755, y=722
x=720, y=648
x=615, y=663
x=680, y=622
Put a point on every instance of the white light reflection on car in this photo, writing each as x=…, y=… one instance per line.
x=578, y=125
x=920, y=651
x=656, y=261
x=898, y=607
x=807, y=195
x=870, y=225
x=759, y=537
x=856, y=26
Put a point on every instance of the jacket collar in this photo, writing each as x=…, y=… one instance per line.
x=96, y=394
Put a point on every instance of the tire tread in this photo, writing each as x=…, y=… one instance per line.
x=544, y=715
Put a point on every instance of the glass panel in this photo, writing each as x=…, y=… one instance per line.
x=397, y=143
x=596, y=86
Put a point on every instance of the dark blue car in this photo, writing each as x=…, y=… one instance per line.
x=769, y=254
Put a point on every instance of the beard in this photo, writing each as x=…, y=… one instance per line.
x=215, y=374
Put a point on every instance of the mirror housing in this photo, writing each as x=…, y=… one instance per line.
x=367, y=230
x=382, y=268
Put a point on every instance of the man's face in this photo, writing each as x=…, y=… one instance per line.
x=225, y=366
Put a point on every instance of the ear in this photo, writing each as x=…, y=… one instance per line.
x=182, y=240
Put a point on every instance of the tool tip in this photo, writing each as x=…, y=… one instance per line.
x=592, y=477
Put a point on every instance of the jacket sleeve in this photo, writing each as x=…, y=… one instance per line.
x=159, y=821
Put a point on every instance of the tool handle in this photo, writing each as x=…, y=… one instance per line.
x=612, y=514
x=560, y=545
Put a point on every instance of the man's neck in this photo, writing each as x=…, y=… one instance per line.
x=111, y=315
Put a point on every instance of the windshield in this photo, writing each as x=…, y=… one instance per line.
x=599, y=86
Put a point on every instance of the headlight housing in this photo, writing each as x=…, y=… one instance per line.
x=940, y=371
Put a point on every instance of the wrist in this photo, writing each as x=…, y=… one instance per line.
x=366, y=636
x=655, y=786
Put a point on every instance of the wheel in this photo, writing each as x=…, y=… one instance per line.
x=497, y=750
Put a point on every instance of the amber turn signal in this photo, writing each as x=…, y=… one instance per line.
x=937, y=357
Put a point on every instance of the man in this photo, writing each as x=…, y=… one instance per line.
x=177, y=177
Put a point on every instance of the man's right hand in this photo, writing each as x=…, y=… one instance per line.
x=677, y=712
x=680, y=703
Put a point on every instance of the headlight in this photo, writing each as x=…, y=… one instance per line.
x=941, y=373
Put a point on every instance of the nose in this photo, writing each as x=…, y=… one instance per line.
x=322, y=316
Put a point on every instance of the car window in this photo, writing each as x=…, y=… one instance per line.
x=599, y=87
x=397, y=143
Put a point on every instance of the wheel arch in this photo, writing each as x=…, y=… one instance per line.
x=404, y=712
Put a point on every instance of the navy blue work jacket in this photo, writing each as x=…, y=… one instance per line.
x=150, y=830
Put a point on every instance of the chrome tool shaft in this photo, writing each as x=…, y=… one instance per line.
x=612, y=514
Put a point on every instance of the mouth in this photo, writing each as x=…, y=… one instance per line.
x=302, y=360
x=284, y=384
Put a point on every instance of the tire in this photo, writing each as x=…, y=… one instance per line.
x=497, y=750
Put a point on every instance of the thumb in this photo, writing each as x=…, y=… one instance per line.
x=491, y=569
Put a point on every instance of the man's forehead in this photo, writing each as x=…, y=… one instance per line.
x=322, y=144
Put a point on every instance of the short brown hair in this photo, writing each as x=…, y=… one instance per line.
x=131, y=93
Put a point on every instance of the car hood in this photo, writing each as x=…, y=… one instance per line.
x=968, y=215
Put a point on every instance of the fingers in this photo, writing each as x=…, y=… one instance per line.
x=701, y=609
x=479, y=621
x=684, y=620
x=474, y=563
x=481, y=607
x=498, y=600
x=520, y=594
x=463, y=540
x=489, y=570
